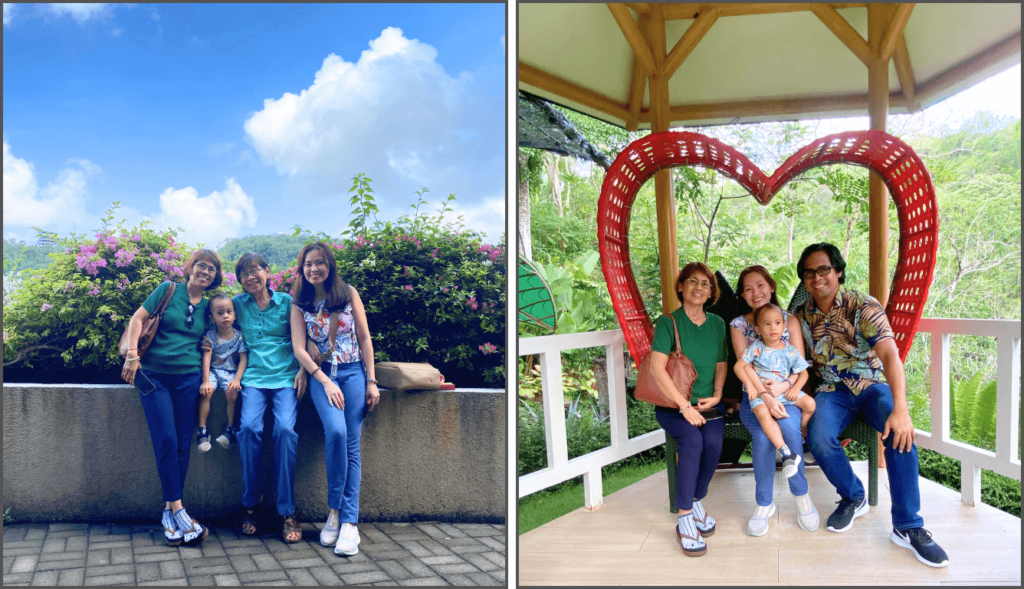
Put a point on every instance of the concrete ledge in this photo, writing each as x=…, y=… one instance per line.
x=83, y=453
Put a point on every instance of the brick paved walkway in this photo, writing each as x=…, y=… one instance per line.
x=389, y=554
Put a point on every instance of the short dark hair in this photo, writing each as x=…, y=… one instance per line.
x=767, y=307
x=209, y=255
x=835, y=258
x=249, y=259
x=214, y=298
x=703, y=269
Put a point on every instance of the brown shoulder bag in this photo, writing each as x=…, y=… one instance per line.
x=680, y=369
x=149, y=327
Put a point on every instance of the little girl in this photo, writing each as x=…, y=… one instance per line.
x=768, y=358
x=225, y=362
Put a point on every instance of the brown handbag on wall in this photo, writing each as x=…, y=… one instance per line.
x=404, y=376
x=680, y=369
x=149, y=327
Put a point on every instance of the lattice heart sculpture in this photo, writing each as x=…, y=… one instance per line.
x=902, y=170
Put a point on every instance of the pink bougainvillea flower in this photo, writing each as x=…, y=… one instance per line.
x=408, y=287
x=46, y=307
x=95, y=291
x=136, y=238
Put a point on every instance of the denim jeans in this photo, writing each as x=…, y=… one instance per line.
x=286, y=441
x=836, y=410
x=342, y=432
x=763, y=452
x=699, y=451
x=171, y=415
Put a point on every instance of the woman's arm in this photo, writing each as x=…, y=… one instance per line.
x=131, y=362
x=298, y=328
x=365, y=348
x=721, y=368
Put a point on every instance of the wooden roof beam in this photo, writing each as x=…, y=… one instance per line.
x=991, y=56
x=641, y=8
x=698, y=28
x=905, y=73
x=637, y=80
x=632, y=34
x=684, y=11
x=844, y=31
x=761, y=108
x=898, y=20
x=555, y=85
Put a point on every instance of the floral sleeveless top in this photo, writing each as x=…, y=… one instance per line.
x=750, y=334
x=346, y=346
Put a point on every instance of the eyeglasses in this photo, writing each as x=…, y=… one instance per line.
x=245, y=275
x=701, y=283
x=189, y=319
x=204, y=267
x=809, y=273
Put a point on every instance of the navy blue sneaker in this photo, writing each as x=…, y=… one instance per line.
x=203, y=440
x=920, y=541
x=848, y=510
x=227, y=439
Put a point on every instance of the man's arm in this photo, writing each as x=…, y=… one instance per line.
x=899, y=422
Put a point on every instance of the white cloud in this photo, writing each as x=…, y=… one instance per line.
x=207, y=219
x=487, y=216
x=80, y=12
x=8, y=12
x=394, y=115
x=58, y=206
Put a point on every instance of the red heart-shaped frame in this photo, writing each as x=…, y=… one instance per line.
x=902, y=170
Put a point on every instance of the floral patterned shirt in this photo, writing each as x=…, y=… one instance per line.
x=346, y=346
x=841, y=341
x=750, y=334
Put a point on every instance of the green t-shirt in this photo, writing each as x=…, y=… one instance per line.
x=703, y=345
x=268, y=335
x=174, y=349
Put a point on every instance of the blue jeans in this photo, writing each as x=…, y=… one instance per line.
x=836, y=410
x=171, y=415
x=342, y=432
x=286, y=441
x=699, y=451
x=763, y=452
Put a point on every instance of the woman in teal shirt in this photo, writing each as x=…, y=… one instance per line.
x=170, y=384
x=697, y=426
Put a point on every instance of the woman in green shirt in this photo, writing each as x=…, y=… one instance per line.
x=170, y=384
x=697, y=426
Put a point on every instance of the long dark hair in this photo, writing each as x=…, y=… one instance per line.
x=742, y=308
x=303, y=292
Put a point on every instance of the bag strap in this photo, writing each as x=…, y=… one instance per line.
x=675, y=330
x=166, y=299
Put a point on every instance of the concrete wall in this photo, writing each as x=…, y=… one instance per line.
x=83, y=453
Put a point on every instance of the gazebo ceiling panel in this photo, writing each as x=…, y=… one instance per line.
x=789, y=60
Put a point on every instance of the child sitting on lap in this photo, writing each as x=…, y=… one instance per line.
x=223, y=366
x=769, y=359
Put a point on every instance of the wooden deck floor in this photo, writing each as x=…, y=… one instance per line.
x=630, y=541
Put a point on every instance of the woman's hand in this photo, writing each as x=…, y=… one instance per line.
x=706, y=403
x=774, y=387
x=301, y=380
x=693, y=416
x=372, y=396
x=129, y=369
x=775, y=408
x=334, y=396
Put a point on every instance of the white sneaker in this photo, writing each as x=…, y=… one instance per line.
x=806, y=514
x=758, y=524
x=348, y=540
x=330, y=531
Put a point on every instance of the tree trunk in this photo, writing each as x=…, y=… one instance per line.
x=601, y=380
x=791, y=225
x=524, y=244
x=556, y=191
x=849, y=236
x=568, y=188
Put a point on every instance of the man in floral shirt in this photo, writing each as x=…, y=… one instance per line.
x=853, y=348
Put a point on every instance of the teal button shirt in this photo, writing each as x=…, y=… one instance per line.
x=267, y=332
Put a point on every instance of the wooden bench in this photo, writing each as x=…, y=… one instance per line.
x=859, y=431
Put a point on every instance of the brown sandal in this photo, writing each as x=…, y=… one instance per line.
x=291, y=527
x=679, y=540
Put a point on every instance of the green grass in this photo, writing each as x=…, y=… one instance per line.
x=544, y=506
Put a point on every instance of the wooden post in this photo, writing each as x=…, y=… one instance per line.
x=668, y=252
x=878, y=206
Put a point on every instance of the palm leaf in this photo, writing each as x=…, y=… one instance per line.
x=536, y=306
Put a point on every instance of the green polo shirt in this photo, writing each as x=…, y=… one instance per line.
x=174, y=349
x=268, y=335
x=704, y=345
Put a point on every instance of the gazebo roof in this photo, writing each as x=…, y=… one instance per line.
x=757, y=62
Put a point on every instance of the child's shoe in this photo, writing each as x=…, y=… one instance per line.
x=203, y=440
x=790, y=464
x=172, y=534
x=227, y=439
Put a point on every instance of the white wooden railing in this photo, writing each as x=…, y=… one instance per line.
x=1005, y=460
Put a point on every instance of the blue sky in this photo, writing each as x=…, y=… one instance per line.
x=234, y=119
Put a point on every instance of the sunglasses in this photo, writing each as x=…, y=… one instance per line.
x=190, y=318
x=809, y=273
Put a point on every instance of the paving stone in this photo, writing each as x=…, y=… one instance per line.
x=459, y=580
x=306, y=552
x=302, y=577
x=451, y=531
x=270, y=583
x=242, y=542
x=431, y=530
x=189, y=553
x=275, y=545
x=104, y=571
x=17, y=578
x=224, y=569
x=211, y=549
x=37, y=544
x=109, y=545
x=14, y=534
x=499, y=575
x=325, y=552
x=394, y=569
x=242, y=563
x=46, y=578
x=120, y=555
x=490, y=541
x=417, y=568
x=261, y=549
x=436, y=560
x=373, y=534
x=325, y=576
x=424, y=581
x=354, y=567
x=110, y=580
x=483, y=579
x=265, y=562
x=498, y=559
x=71, y=578
x=263, y=576
x=409, y=535
x=98, y=530
x=21, y=551
x=171, y=583
x=470, y=549
x=481, y=563
x=156, y=557
x=206, y=562
x=224, y=534
x=448, y=569
x=68, y=527
x=201, y=581
x=23, y=564
x=51, y=556
x=67, y=534
x=172, y=569
x=35, y=534
x=149, y=571
x=78, y=543
x=97, y=558
x=414, y=548
x=436, y=547
x=367, y=577
x=475, y=530
x=226, y=580
x=109, y=538
x=380, y=547
x=302, y=563
x=452, y=542
x=143, y=539
x=54, y=545
x=60, y=564
x=116, y=529
x=8, y=561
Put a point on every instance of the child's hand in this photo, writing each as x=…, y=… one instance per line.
x=206, y=389
x=751, y=394
x=232, y=391
x=792, y=394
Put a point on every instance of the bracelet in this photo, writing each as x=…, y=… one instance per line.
x=372, y=380
x=132, y=350
x=315, y=371
x=131, y=359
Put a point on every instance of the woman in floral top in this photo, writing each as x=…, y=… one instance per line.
x=343, y=386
